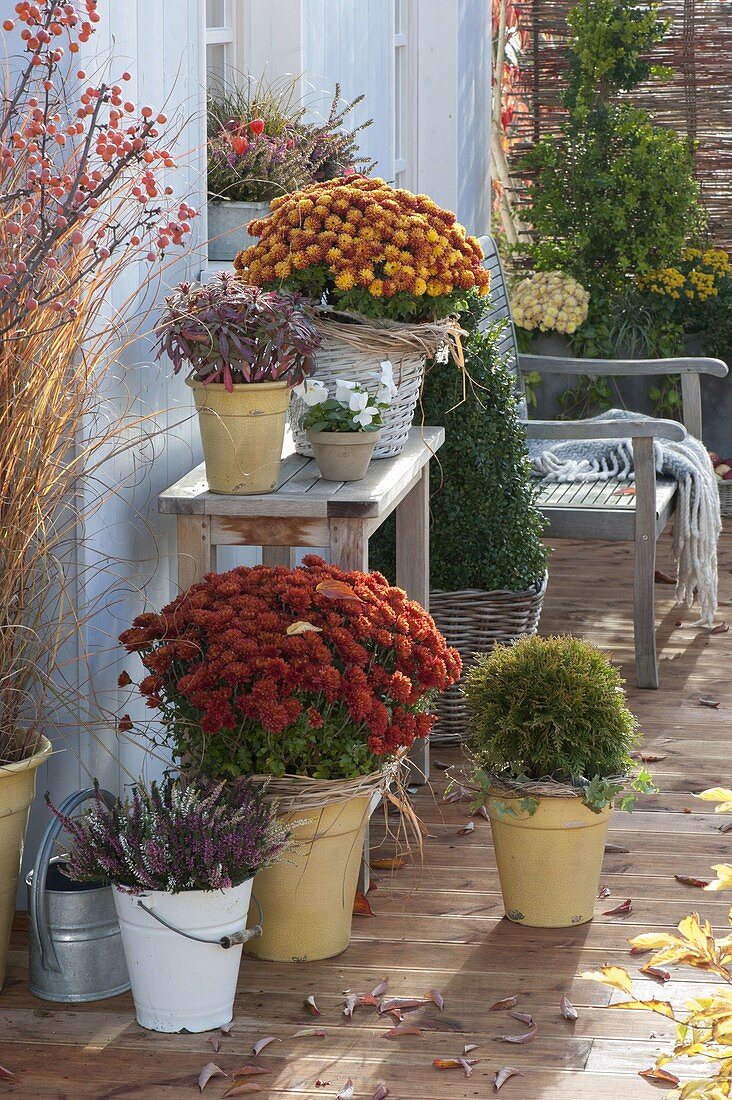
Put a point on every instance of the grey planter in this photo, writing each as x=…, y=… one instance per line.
x=227, y=227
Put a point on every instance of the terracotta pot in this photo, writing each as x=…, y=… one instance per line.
x=242, y=431
x=343, y=456
x=17, y=791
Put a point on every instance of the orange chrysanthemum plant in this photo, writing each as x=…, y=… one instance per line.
x=704, y=1026
x=310, y=671
x=362, y=246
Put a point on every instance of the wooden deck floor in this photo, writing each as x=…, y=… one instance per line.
x=442, y=928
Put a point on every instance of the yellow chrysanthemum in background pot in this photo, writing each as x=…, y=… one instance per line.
x=550, y=301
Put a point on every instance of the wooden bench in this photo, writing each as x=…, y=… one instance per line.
x=601, y=510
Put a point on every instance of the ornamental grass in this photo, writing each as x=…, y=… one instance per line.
x=311, y=671
x=362, y=246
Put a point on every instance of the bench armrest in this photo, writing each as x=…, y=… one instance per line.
x=604, y=429
x=551, y=364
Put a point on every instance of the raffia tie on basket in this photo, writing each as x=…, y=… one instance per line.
x=473, y=621
x=354, y=347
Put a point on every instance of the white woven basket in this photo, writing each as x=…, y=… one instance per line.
x=354, y=349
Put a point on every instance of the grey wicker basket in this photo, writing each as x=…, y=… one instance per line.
x=725, y=497
x=473, y=621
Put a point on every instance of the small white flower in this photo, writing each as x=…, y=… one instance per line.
x=384, y=395
x=387, y=377
x=344, y=389
x=364, y=417
x=359, y=400
x=312, y=392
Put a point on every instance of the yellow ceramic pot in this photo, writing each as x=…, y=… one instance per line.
x=17, y=791
x=242, y=431
x=307, y=898
x=549, y=861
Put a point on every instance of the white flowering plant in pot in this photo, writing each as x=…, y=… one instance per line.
x=343, y=430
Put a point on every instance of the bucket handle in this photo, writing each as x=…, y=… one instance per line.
x=243, y=936
x=38, y=913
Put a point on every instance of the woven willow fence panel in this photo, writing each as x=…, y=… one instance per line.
x=696, y=101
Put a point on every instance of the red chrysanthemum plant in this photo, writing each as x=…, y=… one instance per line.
x=82, y=196
x=310, y=671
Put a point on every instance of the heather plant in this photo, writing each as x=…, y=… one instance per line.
x=175, y=836
x=230, y=332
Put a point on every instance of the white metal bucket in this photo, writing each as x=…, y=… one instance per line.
x=178, y=982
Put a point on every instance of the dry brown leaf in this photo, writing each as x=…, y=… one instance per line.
x=6, y=1074
x=656, y=1073
x=469, y=828
x=649, y=757
x=436, y=997
x=310, y=1032
x=402, y=1029
x=616, y=849
x=243, y=1089
x=380, y=989
x=351, y=1001
x=522, y=1017
x=605, y=892
x=708, y=701
x=381, y=1092
x=227, y=1029
x=337, y=590
x=726, y=828
x=262, y=1043
x=465, y=1064
x=525, y=1037
x=657, y=973
x=567, y=1008
x=401, y=1003
x=250, y=1071
x=468, y=1047
x=620, y=910
x=388, y=863
x=347, y=1091
x=215, y=1043
x=663, y=578
x=506, y=1002
x=482, y=812
x=310, y=1006
x=303, y=628
x=720, y=628
x=458, y=794
x=688, y=880
x=209, y=1070
x=361, y=906
x=367, y=999
x=502, y=1075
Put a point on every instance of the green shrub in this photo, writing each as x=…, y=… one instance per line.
x=485, y=528
x=549, y=708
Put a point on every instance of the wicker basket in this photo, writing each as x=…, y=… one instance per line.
x=474, y=621
x=354, y=350
x=725, y=497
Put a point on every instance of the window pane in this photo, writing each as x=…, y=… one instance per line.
x=400, y=21
x=216, y=65
x=216, y=13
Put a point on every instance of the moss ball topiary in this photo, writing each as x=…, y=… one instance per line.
x=549, y=708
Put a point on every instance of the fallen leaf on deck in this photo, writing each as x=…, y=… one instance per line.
x=346, y=1092
x=687, y=880
x=525, y=1037
x=243, y=1089
x=250, y=1071
x=629, y=492
x=337, y=590
x=440, y=765
x=663, y=1008
x=502, y=1075
x=209, y=1070
x=402, y=1029
x=726, y=828
x=616, y=976
x=655, y=1073
x=361, y=906
x=350, y=1003
x=465, y=1064
x=469, y=828
x=720, y=628
x=380, y=989
x=523, y=1017
x=624, y=907
x=215, y=1043
x=616, y=849
x=708, y=701
x=506, y=1002
x=227, y=1029
x=482, y=812
x=468, y=1047
x=436, y=997
x=381, y=1092
x=648, y=757
x=656, y=972
x=6, y=1074
x=567, y=1008
x=663, y=578
x=310, y=1032
x=303, y=628
x=458, y=794
x=310, y=1005
x=401, y=1003
x=389, y=863
x=605, y=892
x=262, y=1043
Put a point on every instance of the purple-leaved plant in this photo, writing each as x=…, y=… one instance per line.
x=175, y=836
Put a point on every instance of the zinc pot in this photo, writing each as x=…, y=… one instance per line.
x=548, y=861
x=343, y=456
x=179, y=983
x=17, y=791
x=307, y=897
x=242, y=431
x=227, y=227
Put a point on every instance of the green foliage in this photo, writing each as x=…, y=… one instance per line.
x=485, y=529
x=549, y=708
x=335, y=416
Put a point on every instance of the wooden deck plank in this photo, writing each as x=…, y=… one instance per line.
x=438, y=925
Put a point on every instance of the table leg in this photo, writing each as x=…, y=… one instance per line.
x=413, y=575
x=349, y=544
x=196, y=555
x=279, y=555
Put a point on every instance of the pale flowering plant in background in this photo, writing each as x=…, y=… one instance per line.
x=550, y=301
x=353, y=409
